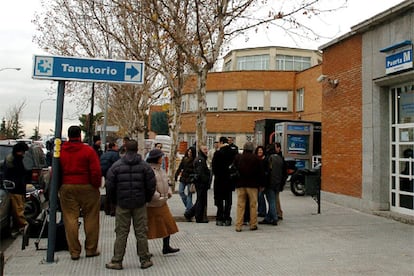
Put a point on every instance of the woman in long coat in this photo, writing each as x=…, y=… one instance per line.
x=161, y=223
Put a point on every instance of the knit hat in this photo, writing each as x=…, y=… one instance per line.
x=155, y=154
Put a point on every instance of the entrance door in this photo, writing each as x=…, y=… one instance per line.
x=402, y=148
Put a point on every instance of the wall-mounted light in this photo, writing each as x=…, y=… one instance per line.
x=332, y=82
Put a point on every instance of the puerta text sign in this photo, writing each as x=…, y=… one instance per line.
x=85, y=69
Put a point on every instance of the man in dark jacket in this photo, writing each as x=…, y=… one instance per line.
x=202, y=184
x=277, y=176
x=107, y=159
x=131, y=184
x=247, y=186
x=15, y=171
x=223, y=186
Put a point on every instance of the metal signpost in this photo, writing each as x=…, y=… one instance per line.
x=76, y=69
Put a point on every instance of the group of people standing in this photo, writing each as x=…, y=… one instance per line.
x=139, y=189
x=261, y=176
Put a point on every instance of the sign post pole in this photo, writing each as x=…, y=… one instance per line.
x=55, y=174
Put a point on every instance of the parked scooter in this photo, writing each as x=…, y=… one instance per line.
x=297, y=181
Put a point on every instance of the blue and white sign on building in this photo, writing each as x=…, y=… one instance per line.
x=399, y=57
x=85, y=69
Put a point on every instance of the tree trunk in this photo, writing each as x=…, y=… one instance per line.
x=201, y=129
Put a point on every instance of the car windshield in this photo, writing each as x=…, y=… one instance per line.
x=4, y=150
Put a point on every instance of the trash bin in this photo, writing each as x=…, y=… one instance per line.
x=312, y=185
x=313, y=188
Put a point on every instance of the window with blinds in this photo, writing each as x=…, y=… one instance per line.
x=255, y=100
x=212, y=102
x=230, y=101
x=279, y=100
x=259, y=62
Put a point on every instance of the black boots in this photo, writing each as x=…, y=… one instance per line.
x=166, y=248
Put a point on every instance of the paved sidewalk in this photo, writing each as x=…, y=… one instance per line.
x=339, y=241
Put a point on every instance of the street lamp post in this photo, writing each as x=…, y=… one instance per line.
x=10, y=68
x=40, y=109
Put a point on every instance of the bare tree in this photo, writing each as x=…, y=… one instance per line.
x=175, y=38
x=199, y=29
x=11, y=126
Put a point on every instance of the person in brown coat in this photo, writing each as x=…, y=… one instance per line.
x=161, y=223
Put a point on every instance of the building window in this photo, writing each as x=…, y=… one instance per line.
x=279, y=100
x=260, y=62
x=192, y=102
x=192, y=140
x=227, y=66
x=210, y=141
x=292, y=63
x=184, y=103
x=211, y=98
x=230, y=101
x=255, y=100
x=249, y=138
x=300, y=99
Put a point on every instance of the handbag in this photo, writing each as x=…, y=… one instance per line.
x=192, y=188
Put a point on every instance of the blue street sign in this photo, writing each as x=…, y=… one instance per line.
x=85, y=69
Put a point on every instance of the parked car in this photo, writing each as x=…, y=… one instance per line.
x=5, y=220
x=5, y=149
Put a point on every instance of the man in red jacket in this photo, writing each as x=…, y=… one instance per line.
x=81, y=179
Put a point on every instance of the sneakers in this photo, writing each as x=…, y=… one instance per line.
x=117, y=266
x=219, y=223
x=145, y=264
x=227, y=223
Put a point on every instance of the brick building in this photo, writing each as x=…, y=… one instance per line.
x=368, y=114
x=257, y=83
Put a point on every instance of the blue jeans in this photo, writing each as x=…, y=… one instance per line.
x=271, y=215
x=186, y=198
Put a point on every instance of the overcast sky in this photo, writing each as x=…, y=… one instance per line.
x=17, y=50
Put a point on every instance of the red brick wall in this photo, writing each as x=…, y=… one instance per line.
x=246, y=80
x=342, y=118
x=313, y=93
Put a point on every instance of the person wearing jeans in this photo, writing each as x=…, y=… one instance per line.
x=277, y=177
x=184, y=173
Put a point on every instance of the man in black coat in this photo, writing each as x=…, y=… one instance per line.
x=131, y=184
x=223, y=186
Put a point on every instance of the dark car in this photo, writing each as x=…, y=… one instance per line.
x=5, y=222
